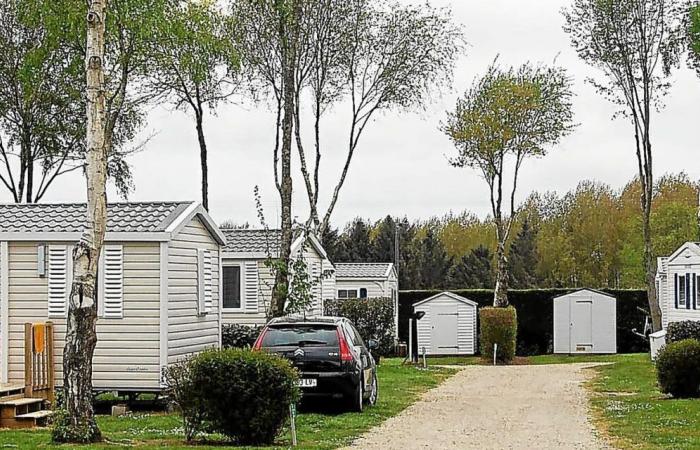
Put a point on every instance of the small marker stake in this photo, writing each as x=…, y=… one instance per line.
x=495, y=351
x=292, y=420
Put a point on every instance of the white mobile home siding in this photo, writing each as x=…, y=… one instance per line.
x=127, y=348
x=189, y=331
x=465, y=339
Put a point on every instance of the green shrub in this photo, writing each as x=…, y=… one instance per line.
x=498, y=326
x=677, y=368
x=373, y=318
x=679, y=331
x=242, y=394
x=239, y=336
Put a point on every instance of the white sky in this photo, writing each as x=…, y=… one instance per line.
x=400, y=167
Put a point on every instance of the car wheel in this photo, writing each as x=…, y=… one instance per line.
x=374, y=392
x=357, y=400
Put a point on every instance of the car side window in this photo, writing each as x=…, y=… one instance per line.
x=354, y=335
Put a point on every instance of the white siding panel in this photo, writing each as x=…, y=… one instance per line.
x=126, y=347
x=465, y=339
x=188, y=331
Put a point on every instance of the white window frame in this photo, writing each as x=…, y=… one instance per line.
x=241, y=287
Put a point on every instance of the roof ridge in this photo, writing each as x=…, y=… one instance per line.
x=145, y=202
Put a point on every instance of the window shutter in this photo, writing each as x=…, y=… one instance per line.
x=251, y=286
x=58, y=280
x=112, y=272
x=695, y=291
x=676, y=288
x=204, y=281
x=316, y=286
x=687, y=291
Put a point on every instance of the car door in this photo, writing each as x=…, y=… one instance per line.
x=365, y=357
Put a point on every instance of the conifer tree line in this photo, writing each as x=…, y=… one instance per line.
x=588, y=237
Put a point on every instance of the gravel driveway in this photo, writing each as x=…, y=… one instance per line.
x=485, y=407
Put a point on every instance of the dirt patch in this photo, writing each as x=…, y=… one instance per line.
x=502, y=407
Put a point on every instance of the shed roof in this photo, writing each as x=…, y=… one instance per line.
x=137, y=217
x=363, y=270
x=594, y=291
x=453, y=296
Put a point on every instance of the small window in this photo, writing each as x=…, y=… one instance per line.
x=681, y=291
x=232, y=287
x=347, y=293
x=363, y=293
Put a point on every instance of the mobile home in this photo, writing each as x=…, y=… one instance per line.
x=158, y=294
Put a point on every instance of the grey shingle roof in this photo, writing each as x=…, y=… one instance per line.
x=137, y=217
x=361, y=270
x=252, y=241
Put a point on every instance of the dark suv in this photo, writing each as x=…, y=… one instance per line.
x=330, y=355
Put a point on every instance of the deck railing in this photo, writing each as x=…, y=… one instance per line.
x=39, y=360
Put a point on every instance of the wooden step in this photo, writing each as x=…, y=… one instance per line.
x=11, y=390
x=21, y=401
x=41, y=414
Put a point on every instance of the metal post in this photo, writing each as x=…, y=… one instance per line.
x=495, y=351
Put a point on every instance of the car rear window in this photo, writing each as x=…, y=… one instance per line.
x=301, y=335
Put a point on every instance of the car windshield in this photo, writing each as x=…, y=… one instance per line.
x=300, y=335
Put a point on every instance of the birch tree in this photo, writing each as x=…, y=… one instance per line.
x=369, y=56
x=506, y=117
x=196, y=66
x=81, y=334
x=635, y=44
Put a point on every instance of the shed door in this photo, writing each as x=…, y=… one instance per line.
x=582, y=326
x=444, y=330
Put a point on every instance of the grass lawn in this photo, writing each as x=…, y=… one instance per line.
x=399, y=387
x=632, y=411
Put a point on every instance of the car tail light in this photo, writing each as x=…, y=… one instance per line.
x=345, y=354
x=259, y=340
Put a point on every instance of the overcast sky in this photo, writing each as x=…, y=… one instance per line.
x=400, y=167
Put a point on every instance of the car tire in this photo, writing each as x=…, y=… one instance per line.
x=374, y=392
x=356, y=400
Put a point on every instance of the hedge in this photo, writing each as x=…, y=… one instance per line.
x=535, y=315
x=498, y=326
x=373, y=318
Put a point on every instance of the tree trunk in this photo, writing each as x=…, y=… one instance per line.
x=203, y=160
x=500, y=293
x=649, y=262
x=81, y=336
x=287, y=32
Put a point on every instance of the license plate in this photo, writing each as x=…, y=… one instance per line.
x=308, y=382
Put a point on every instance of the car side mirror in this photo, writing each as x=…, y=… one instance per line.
x=372, y=344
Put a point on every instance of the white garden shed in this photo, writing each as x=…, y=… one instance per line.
x=585, y=321
x=449, y=325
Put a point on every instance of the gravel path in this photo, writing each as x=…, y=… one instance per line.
x=485, y=407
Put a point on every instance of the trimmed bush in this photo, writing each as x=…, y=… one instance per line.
x=535, y=315
x=498, y=326
x=679, y=331
x=373, y=318
x=241, y=394
x=677, y=368
x=239, y=336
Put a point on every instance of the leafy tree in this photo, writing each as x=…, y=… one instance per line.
x=42, y=102
x=434, y=262
x=384, y=241
x=472, y=271
x=523, y=258
x=356, y=242
x=374, y=56
x=635, y=44
x=272, y=37
x=694, y=35
x=196, y=66
x=506, y=117
x=330, y=240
